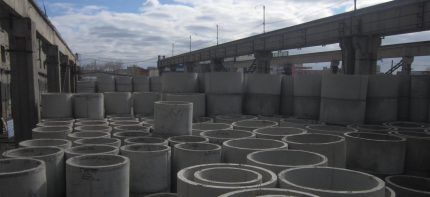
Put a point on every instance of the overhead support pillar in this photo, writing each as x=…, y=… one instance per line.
x=407, y=66
x=360, y=54
x=217, y=65
x=262, y=60
x=53, y=67
x=65, y=73
x=24, y=75
x=189, y=67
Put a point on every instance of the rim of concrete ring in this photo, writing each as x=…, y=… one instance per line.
x=388, y=179
x=101, y=133
x=92, y=123
x=173, y=103
x=60, y=129
x=420, y=125
x=39, y=166
x=53, y=124
x=58, y=151
x=273, y=123
x=162, y=195
x=324, y=158
x=203, y=134
x=125, y=161
x=345, y=129
x=267, y=190
x=216, y=147
x=113, y=141
x=398, y=138
x=86, y=128
x=165, y=148
x=227, y=144
x=173, y=139
x=380, y=183
x=120, y=134
x=390, y=191
x=124, y=123
x=300, y=121
x=162, y=141
x=258, y=131
x=124, y=127
x=363, y=127
x=272, y=180
x=65, y=142
x=72, y=149
x=198, y=176
x=212, y=123
x=339, y=139
x=235, y=117
x=89, y=119
x=401, y=134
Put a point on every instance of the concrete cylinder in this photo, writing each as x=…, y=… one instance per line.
x=417, y=161
x=119, y=119
x=135, y=128
x=115, y=125
x=236, y=150
x=92, y=123
x=343, y=99
x=287, y=96
x=173, y=118
x=419, y=98
x=406, y=185
x=56, y=105
x=198, y=100
x=307, y=96
x=143, y=102
x=267, y=192
x=60, y=143
x=99, y=141
x=155, y=84
x=65, y=120
x=371, y=128
x=51, y=132
x=298, y=123
x=384, y=154
x=162, y=195
x=278, y=160
x=91, y=150
x=186, y=139
x=22, y=176
x=389, y=192
x=407, y=126
x=331, y=146
x=217, y=104
x=106, y=129
x=118, y=103
x=54, y=162
x=227, y=176
x=335, y=182
x=85, y=86
x=381, y=101
x=105, y=83
x=201, y=127
x=89, y=106
x=250, y=125
x=203, y=120
x=122, y=135
x=123, y=84
x=188, y=187
x=141, y=84
x=89, y=134
x=55, y=124
x=277, y=133
x=403, y=100
x=149, y=168
x=220, y=136
x=230, y=118
x=98, y=176
x=262, y=94
x=89, y=119
x=329, y=129
x=146, y=140
x=179, y=82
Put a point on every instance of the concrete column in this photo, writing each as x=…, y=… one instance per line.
x=65, y=73
x=189, y=67
x=407, y=66
x=217, y=65
x=24, y=87
x=53, y=67
x=263, y=59
x=359, y=54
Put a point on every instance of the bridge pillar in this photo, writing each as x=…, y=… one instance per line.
x=53, y=67
x=407, y=66
x=217, y=65
x=263, y=59
x=65, y=73
x=359, y=54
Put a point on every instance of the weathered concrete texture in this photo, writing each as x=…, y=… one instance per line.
x=179, y=82
x=371, y=128
x=201, y=127
x=203, y=120
x=98, y=123
x=419, y=98
x=236, y=150
x=407, y=126
x=155, y=84
x=188, y=187
x=129, y=118
x=329, y=129
x=135, y=128
x=102, y=128
x=99, y=141
x=22, y=176
x=111, y=171
x=380, y=154
x=333, y=182
x=343, y=99
x=122, y=135
x=105, y=83
x=186, y=139
x=266, y=192
x=89, y=106
x=149, y=168
x=123, y=84
x=227, y=176
x=262, y=94
x=54, y=162
x=143, y=102
x=60, y=143
x=146, y=140
x=118, y=126
x=403, y=101
x=217, y=104
x=56, y=105
x=307, y=96
x=406, y=185
x=91, y=150
x=162, y=195
x=88, y=134
x=298, y=123
x=55, y=124
x=331, y=146
x=382, y=98
x=118, y=103
x=141, y=84
x=220, y=136
x=274, y=118
x=86, y=86
x=230, y=118
x=417, y=161
x=250, y=125
x=173, y=118
x=278, y=160
x=277, y=133
x=287, y=96
x=51, y=132
x=198, y=100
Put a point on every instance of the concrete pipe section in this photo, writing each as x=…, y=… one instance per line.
x=230, y=118
x=98, y=176
x=99, y=141
x=384, y=154
x=298, y=123
x=123, y=84
x=227, y=176
x=91, y=150
x=203, y=120
x=408, y=186
x=407, y=126
x=274, y=118
x=278, y=160
x=124, y=123
x=69, y=120
x=90, y=119
x=307, y=95
x=60, y=143
x=263, y=94
x=55, y=124
x=105, y=84
x=329, y=129
x=277, y=133
x=197, y=99
x=186, y=139
x=267, y=192
x=89, y=106
x=22, y=176
x=146, y=140
x=143, y=102
x=136, y=128
x=235, y=151
x=333, y=182
x=220, y=136
x=92, y=123
x=51, y=132
x=331, y=146
x=122, y=135
x=89, y=134
x=188, y=187
x=287, y=95
x=149, y=168
x=56, y=105
x=179, y=82
x=54, y=163
x=162, y=195
x=389, y=192
x=173, y=118
x=201, y=127
x=140, y=84
x=100, y=128
x=116, y=119
x=382, y=98
x=250, y=125
x=118, y=103
x=417, y=161
x=371, y=128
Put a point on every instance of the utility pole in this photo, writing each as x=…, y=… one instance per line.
x=190, y=43
x=264, y=19
x=217, y=34
x=173, y=48
x=355, y=5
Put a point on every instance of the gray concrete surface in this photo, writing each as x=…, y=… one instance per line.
x=89, y=106
x=143, y=102
x=329, y=129
x=123, y=84
x=220, y=136
x=105, y=83
x=406, y=185
x=250, y=125
x=201, y=127
x=56, y=105
x=287, y=96
x=60, y=143
x=230, y=118
x=267, y=192
x=382, y=98
x=88, y=134
x=93, y=149
x=198, y=100
x=141, y=84
x=186, y=139
x=98, y=141
x=227, y=176
x=236, y=150
x=297, y=122
x=277, y=133
x=122, y=135
x=51, y=132
x=372, y=128
x=179, y=82
x=92, y=123
x=262, y=94
x=118, y=103
x=173, y=118
x=307, y=96
x=155, y=84
x=419, y=98
x=106, y=129
x=146, y=140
